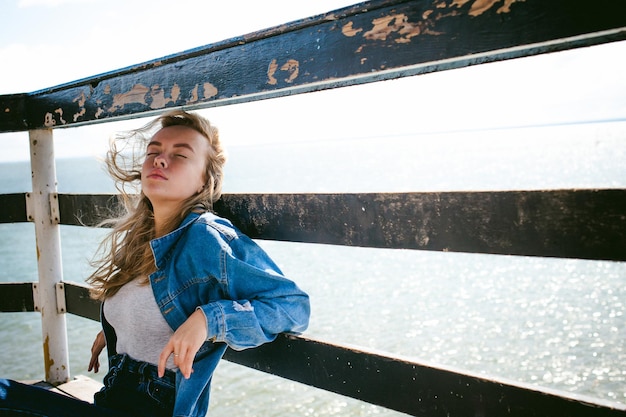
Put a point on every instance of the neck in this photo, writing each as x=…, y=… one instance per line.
x=162, y=218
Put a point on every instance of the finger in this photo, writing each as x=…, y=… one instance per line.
x=94, y=363
x=178, y=358
x=185, y=364
x=165, y=354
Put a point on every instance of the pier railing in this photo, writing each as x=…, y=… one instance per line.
x=368, y=42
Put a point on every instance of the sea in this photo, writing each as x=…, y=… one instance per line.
x=547, y=322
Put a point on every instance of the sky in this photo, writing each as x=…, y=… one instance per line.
x=44, y=43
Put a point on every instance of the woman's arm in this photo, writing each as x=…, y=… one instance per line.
x=98, y=344
x=262, y=302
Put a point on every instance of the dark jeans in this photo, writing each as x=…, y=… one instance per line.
x=131, y=388
x=134, y=387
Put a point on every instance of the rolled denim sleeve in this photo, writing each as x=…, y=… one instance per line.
x=262, y=302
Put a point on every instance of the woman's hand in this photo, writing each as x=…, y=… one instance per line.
x=96, y=348
x=185, y=343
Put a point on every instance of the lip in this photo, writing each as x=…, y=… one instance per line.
x=157, y=174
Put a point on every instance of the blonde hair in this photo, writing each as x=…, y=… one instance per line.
x=125, y=253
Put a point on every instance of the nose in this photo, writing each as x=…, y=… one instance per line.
x=159, y=161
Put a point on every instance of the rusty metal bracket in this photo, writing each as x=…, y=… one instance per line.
x=55, y=214
x=53, y=201
x=36, y=303
x=60, y=291
x=30, y=214
x=60, y=297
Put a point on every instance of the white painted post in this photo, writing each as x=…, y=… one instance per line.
x=47, y=232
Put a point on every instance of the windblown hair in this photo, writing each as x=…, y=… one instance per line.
x=125, y=253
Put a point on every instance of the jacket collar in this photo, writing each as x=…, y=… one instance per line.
x=162, y=245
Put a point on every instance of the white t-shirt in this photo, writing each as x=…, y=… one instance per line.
x=141, y=330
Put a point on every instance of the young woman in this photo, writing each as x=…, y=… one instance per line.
x=178, y=283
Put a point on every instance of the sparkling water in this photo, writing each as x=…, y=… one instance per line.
x=556, y=323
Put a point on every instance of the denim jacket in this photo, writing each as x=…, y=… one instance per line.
x=209, y=264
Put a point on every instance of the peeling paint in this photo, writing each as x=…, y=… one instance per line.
x=59, y=111
x=506, y=7
x=159, y=100
x=398, y=27
x=80, y=114
x=271, y=70
x=193, y=95
x=349, y=31
x=397, y=24
x=331, y=17
x=137, y=95
x=175, y=92
x=48, y=120
x=292, y=67
x=479, y=7
x=81, y=100
x=158, y=97
x=455, y=3
x=209, y=90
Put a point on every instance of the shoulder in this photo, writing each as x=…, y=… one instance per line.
x=211, y=224
x=213, y=230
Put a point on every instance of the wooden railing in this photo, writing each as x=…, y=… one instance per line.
x=368, y=42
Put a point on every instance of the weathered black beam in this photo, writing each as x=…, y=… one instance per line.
x=13, y=112
x=87, y=209
x=79, y=302
x=409, y=386
x=16, y=297
x=367, y=42
x=585, y=224
x=13, y=208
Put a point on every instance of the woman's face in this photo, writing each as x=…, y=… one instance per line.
x=175, y=165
